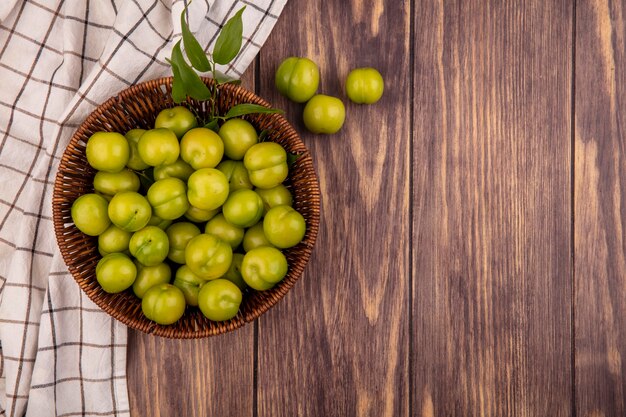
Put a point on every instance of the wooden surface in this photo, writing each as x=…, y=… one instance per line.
x=346, y=351
x=600, y=209
x=492, y=276
x=472, y=254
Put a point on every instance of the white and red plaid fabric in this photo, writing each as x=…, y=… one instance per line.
x=60, y=354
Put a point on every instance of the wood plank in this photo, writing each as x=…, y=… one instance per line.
x=337, y=345
x=492, y=276
x=600, y=208
x=193, y=378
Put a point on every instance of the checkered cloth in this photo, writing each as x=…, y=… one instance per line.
x=60, y=354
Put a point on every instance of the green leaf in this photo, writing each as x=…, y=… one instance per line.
x=146, y=178
x=229, y=40
x=213, y=125
x=193, y=85
x=222, y=78
x=264, y=134
x=194, y=51
x=249, y=108
x=292, y=158
x=178, y=89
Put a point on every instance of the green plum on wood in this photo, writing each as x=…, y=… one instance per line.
x=324, y=114
x=297, y=78
x=364, y=85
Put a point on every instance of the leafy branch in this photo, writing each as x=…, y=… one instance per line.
x=187, y=82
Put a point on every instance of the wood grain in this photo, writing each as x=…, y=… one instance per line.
x=337, y=344
x=193, y=378
x=492, y=276
x=600, y=208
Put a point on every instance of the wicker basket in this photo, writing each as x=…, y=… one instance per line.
x=137, y=107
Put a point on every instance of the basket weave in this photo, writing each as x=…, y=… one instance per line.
x=137, y=107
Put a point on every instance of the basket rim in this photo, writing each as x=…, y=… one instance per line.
x=277, y=293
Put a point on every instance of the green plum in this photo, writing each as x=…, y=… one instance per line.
x=115, y=272
x=324, y=114
x=159, y=222
x=225, y=231
x=266, y=163
x=208, y=257
x=297, y=78
x=113, y=183
x=275, y=196
x=134, y=161
x=163, y=304
x=197, y=215
x=284, y=227
x=113, y=239
x=149, y=276
x=179, y=234
x=207, y=189
x=201, y=148
x=238, y=136
x=179, y=169
x=364, y=85
x=168, y=198
x=178, y=119
x=255, y=238
x=219, y=300
x=129, y=211
x=189, y=283
x=107, y=151
x=244, y=208
x=236, y=174
x=263, y=267
x=89, y=214
x=234, y=272
x=158, y=147
x=149, y=245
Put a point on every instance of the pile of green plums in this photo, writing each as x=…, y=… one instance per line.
x=188, y=216
x=298, y=78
